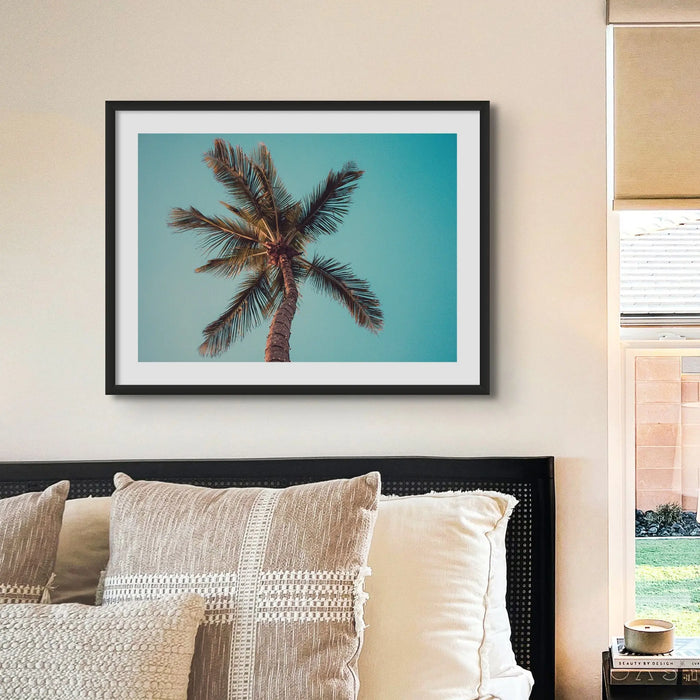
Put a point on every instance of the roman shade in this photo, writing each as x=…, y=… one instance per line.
x=653, y=11
x=656, y=74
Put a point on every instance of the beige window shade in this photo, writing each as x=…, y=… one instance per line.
x=657, y=117
x=653, y=11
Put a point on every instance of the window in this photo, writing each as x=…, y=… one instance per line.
x=658, y=335
x=666, y=468
x=654, y=311
x=659, y=269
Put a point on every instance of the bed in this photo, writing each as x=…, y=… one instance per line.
x=529, y=540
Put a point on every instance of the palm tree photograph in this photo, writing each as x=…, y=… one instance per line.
x=297, y=248
x=264, y=240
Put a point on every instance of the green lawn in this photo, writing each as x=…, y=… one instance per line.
x=667, y=582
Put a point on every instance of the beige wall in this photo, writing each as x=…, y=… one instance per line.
x=541, y=65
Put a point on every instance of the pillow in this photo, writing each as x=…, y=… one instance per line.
x=281, y=571
x=29, y=527
x=139, y=651
x=436, y=616
x=83, y=550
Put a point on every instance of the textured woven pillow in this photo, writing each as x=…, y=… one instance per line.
x=29, y=527
x=134, y=651
x=281, y=571
x=83, y=550
x=437, y=622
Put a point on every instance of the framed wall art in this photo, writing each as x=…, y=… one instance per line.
x=297, y=248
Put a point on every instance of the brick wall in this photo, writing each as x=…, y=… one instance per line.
x=667, y=436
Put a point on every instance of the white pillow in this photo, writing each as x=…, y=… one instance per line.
x=130, y=651
x=437, y=625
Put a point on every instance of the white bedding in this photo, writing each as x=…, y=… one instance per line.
x=517, y=685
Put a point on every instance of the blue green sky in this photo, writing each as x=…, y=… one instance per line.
x=400, y=234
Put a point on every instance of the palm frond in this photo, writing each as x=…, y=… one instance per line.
x=193, y=220
x=216, y=233
x=240, y=176
x=248, y=217
x=291, y=215
x=276, y=199
x=231, y=265
x=339, y=282
x=244, y=313
x=325, y=208
x=235, y=210
x=293, y=237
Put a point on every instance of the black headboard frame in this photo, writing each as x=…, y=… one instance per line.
x=529, y=541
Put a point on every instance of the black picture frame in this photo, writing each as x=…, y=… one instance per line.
x=128, y=121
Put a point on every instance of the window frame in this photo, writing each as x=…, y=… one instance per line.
x=622, y=482
x=624, y=344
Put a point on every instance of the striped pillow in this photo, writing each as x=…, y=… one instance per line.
x=281, y=571
x=29, y=528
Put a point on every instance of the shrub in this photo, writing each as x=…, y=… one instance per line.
x=668, y=513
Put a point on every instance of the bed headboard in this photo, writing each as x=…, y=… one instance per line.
x=530, y=536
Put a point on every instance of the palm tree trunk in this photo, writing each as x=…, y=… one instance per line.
x=277, y=347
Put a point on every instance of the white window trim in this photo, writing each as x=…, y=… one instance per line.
x=620, y=555
x=622, y=480
x=621, y=409
x=620, y=531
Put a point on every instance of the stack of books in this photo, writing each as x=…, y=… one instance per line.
x=679, y=667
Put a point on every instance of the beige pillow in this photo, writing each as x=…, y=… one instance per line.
x=83, y=550
x=437, y=622
x=29, y=527
x=134, y=651
x=281, y=571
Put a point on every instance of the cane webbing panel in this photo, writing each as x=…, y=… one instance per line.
x=529, y=540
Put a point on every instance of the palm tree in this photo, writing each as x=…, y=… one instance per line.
x=266, y=238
